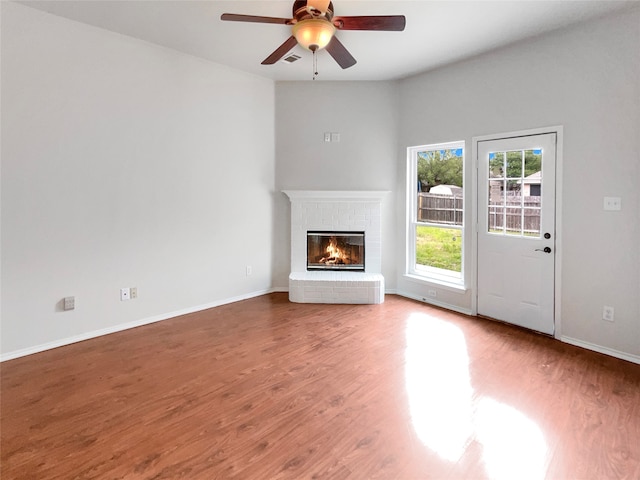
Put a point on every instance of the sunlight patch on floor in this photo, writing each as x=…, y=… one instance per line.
x=445, y=416
x=438, y=386
x=513, y=445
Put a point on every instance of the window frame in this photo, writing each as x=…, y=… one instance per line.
x=412, y=269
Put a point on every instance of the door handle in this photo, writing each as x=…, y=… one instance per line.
x=545, y=250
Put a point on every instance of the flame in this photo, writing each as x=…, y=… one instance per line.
x=333, y=250
x=335, y=253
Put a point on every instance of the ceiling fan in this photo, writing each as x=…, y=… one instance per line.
x=314, y=26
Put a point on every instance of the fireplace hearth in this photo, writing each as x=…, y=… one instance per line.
x=330, y=250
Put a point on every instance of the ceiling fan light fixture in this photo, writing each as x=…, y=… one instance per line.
x=313, y=33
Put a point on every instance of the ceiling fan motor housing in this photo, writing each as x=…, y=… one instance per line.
x=312, y=28
x=302, y=11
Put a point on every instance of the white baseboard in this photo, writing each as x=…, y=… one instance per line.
x=435, y=303
x=600, y=349
x=126, y=326
x=158, y=318
x=578, y=343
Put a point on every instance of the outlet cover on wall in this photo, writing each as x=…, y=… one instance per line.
x=69, y=303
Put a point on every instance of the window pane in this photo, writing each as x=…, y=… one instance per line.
x=496, y=165
x=532, y=222
x=496, y=219
x=514, y=221
x=514, y=164
x=440, y=194
x=439, y=247
x=533, y=162
x=496, y=189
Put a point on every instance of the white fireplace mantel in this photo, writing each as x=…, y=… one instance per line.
x=335, y=195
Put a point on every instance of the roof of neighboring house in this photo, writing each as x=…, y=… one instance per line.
x=446, y=190
x=533, y=179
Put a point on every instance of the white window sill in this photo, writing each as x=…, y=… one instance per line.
x=440, y=282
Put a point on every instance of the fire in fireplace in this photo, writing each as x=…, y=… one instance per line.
x=335, y=251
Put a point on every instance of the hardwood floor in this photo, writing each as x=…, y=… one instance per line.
x=267, y=389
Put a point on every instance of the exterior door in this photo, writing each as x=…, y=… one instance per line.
x=516, y=230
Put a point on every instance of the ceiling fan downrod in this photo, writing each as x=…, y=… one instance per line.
x=314, y=50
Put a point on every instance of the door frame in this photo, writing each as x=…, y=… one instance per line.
x=558, y=130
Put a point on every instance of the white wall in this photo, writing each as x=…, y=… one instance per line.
x=366, y=116
x=588, y=80
x=125, y=164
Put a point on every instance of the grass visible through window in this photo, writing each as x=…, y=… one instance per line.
x=439, y=247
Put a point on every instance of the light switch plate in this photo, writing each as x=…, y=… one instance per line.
x=612, y=203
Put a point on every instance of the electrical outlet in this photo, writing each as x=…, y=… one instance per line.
x=69, y=303
x=133, y=292
x=433, y=293
x=125, y=294
x=249, y=270
x=327, y=136
x=607, y=313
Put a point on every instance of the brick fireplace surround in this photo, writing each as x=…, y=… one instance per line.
x=340, y=211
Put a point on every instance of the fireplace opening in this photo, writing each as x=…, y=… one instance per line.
x=335, y=251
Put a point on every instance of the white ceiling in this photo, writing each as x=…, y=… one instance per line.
x=437, y=32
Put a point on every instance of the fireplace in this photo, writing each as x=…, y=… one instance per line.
x=316, y=217
x=331, y=250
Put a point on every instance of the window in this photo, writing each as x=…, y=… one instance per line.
x=435, y=211
x=514, y=190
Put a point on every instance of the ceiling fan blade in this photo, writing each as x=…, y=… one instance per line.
x=392, y=23
x=234, y=17
x=281, y=51
x=340, y=54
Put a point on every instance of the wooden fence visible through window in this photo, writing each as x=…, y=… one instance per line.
x=511, y=213
x=515, y=215
x=436, y=208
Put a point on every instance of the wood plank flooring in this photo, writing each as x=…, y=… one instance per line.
x=267, y=389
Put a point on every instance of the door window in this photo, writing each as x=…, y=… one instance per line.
x=514, y=188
